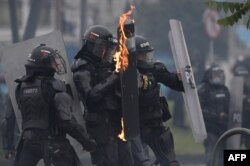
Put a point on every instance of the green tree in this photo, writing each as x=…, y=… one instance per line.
x=236, y=9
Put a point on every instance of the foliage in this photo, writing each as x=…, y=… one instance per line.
x=236, y=9
x=152, y=21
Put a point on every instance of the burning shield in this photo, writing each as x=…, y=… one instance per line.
x=15, y=56
x=129, y=87
x=183, y=65
x=235, y=107
x=126, y=64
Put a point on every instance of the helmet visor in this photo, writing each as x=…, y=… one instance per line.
x=58, y=63
x=218, y=76
x=145, y=60
x=105, y=49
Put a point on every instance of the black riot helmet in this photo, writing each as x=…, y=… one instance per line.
x=44, y=59
x=99, y=43
x=215, y=75
x=144, y=53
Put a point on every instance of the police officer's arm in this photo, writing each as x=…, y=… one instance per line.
x=206, y=106
x=67, y=123
x=94, y=93
x=167, y=78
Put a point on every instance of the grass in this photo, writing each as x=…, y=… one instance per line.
x=184, y=142
x=183, y=138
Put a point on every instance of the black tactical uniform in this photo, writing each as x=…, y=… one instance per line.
x=98, y=88
x=242, y=67
x=46, y=110
x=9, y=130
x=214, y=100
x=154, y=108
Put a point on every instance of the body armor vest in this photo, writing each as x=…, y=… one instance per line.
x=219, y=99
x=149, y=104
x=35, y=102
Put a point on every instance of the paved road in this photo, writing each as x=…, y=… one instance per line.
x=185, y=160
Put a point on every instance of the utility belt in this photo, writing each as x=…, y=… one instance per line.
x=38, y=134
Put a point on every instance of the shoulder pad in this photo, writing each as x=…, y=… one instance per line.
x=159, y=66
x=59, y=85
x=22, y=78
x=78, y=63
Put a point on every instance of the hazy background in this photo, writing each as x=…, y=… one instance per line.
x=24, y=19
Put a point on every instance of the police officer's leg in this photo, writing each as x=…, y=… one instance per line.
x=30, y=154
x=125, y=153
x=209, y=144
x=60, y=153
x=141, y=157
x=162, y=144
x=106, y=154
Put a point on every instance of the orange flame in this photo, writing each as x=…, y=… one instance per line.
x=122, y=134
x=121, y=56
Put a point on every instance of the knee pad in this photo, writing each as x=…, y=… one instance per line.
x=164, y=148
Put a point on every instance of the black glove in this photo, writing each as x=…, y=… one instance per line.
x=90, y=145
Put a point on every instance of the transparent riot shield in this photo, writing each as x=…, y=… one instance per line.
x=183, y=65
x=236, y=106
x=15, y=56
x=129, y=86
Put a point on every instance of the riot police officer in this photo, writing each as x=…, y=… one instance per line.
x=98, y=88
x=46, y=110
x=154, y=108
x=242, y=67
x=214, y=99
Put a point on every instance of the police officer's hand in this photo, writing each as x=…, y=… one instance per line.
x=90, y=145
x=10, y=155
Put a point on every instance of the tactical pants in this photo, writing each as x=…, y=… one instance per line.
x=160, y=140
x=139, y=152
x=209, y=144
x=106, y=154
x=60, y=154
x=125, y=153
